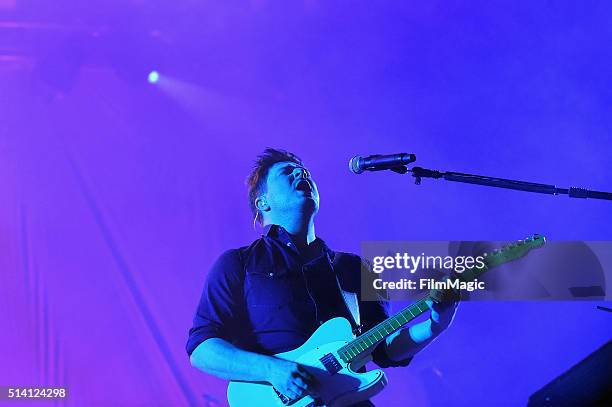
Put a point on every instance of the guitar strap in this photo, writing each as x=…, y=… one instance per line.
x=350, y=300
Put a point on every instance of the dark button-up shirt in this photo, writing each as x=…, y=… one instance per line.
x=265, y=298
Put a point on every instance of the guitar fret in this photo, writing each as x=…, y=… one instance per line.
x=384, y=329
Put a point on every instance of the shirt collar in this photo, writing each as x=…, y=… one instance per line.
x=271, y=230
x=278, y=232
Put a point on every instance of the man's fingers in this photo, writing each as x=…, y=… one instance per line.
x=292, y=392
x=306, y=375
x=453, y=295
x=444, y=298
x=296, y=390
x=300, y=383
x=306, y=381
x=304, y=388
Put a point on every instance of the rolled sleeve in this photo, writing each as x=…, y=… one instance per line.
x=219, y=313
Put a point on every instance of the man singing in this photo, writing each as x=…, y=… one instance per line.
x=269, y=297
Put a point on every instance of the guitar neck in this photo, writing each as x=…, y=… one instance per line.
x=366, y=342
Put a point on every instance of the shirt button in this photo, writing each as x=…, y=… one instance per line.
x=320, y=322
x=289, y=244
x=271, y=274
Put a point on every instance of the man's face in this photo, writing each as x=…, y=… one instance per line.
x=290, y=188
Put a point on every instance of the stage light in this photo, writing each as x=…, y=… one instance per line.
x=153, y=77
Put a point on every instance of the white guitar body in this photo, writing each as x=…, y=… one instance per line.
x=341, y=388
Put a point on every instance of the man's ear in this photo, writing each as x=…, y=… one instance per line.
x=262, y=204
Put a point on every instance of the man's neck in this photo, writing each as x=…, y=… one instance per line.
x=302, y=231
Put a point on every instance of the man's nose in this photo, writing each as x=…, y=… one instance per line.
x=301, y=173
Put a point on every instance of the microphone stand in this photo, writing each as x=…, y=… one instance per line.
x=418, y=173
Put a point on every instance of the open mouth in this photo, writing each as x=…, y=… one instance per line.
x=303, y=185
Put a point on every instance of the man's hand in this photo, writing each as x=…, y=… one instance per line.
x=291, y=379
x=407, y=342
x=443, y=309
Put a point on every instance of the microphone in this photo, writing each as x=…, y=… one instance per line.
x=379, y=162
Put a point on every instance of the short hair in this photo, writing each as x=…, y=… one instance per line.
x=256, y=181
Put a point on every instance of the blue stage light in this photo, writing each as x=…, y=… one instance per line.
x=153, y=76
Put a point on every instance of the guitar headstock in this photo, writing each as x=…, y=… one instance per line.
x=514, y=250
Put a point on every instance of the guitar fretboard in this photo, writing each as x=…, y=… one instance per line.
x=367, y=341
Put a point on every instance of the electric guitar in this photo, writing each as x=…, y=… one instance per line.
x=333, y=355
